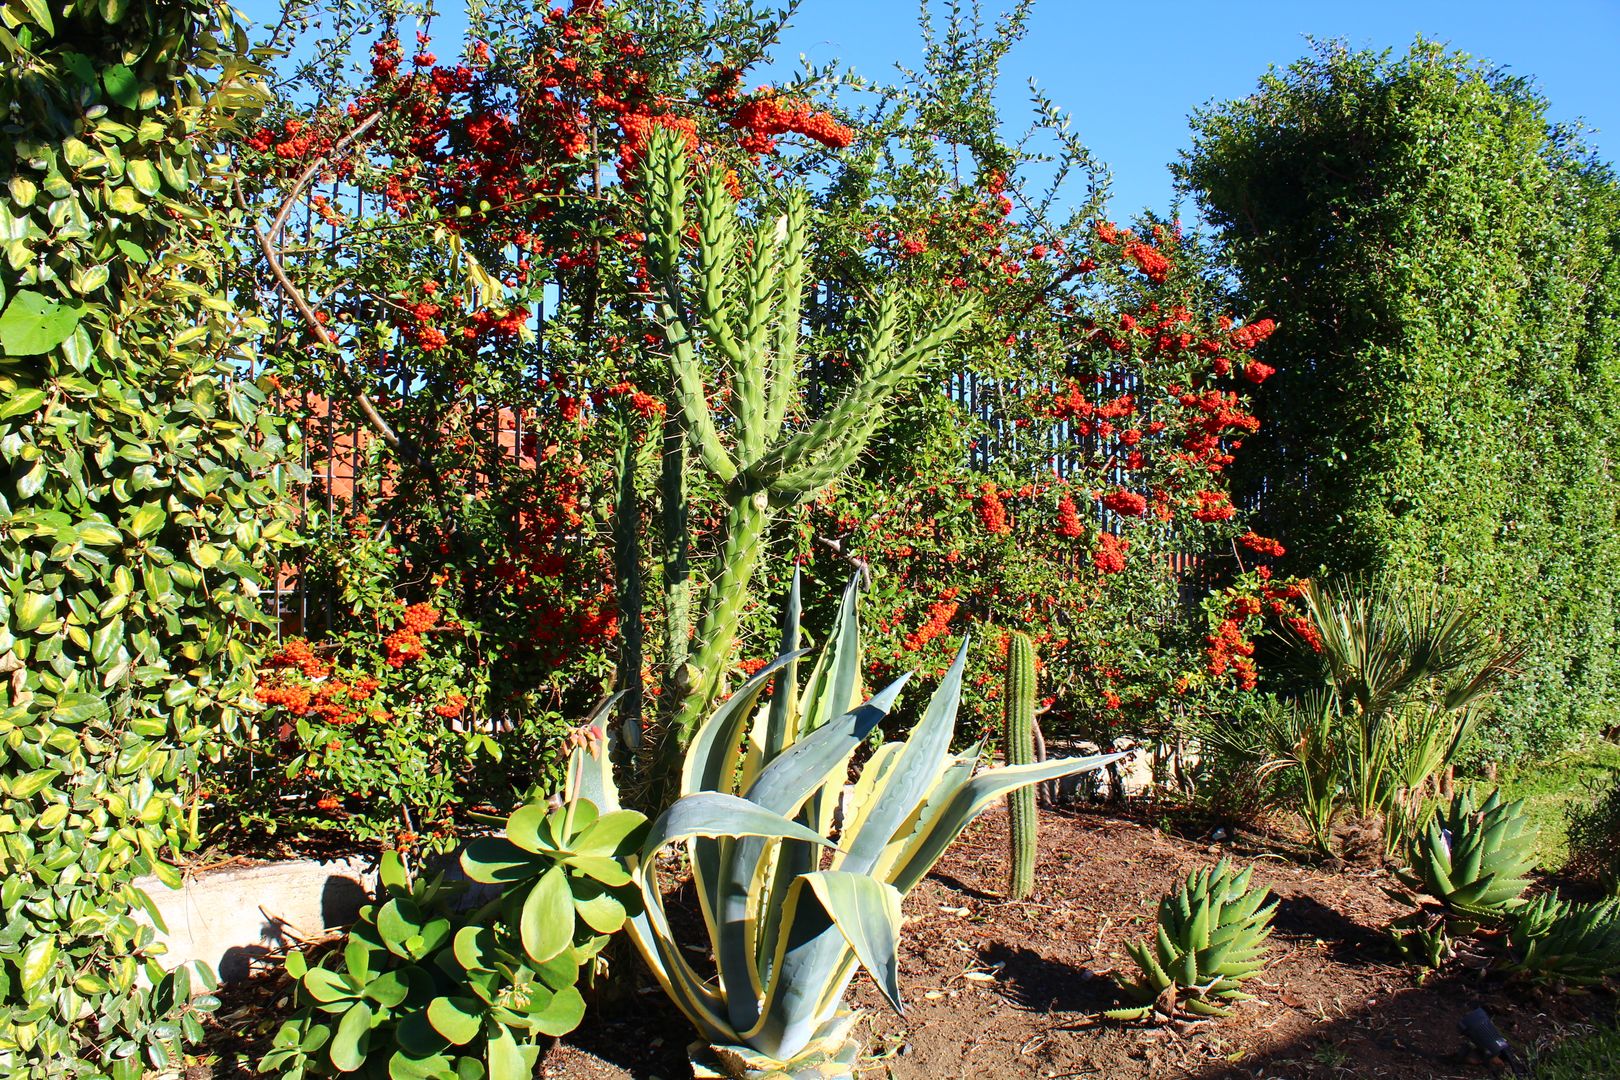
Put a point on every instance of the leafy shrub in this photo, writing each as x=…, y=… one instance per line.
x=1211, y=938
x=384, y=729
x=1594, y=836
x=424, y=990
x=143, y=490
x=1444, y=257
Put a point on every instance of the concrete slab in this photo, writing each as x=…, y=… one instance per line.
x=231, y=918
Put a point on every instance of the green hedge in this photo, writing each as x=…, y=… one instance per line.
x=1444, y=265
x=142, y=490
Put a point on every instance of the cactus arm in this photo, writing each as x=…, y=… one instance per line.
x=881, y=372
x=627, y=586
x=761, y=280
x=675, y=542
x=717, y=246
x=687, y=386
x=1019, y=749
x=841, y=435
x=785, y=356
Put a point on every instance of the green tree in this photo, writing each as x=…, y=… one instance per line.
x=1442, y=263
x=141, y=494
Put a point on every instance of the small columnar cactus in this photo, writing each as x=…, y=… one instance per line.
x=1211, y=938
x=1018, y=735
x=1473, y=861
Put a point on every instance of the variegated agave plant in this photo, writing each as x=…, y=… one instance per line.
x=793, y=901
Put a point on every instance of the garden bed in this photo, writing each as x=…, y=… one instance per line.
x=1015, y=989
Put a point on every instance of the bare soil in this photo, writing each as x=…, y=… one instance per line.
x=1001, y=989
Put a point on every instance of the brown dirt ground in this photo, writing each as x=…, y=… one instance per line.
x=1001, y=989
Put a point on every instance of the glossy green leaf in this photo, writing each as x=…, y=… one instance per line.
x=547, y=921
x=33, y=324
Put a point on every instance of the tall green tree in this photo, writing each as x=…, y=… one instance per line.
x=141, y=493
x=1441, y=260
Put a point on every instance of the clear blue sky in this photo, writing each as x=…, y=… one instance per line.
x=1129, y=73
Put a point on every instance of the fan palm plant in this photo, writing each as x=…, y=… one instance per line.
x=1409, y=671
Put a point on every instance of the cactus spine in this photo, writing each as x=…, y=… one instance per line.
x=1018, y=737
x=740, y=313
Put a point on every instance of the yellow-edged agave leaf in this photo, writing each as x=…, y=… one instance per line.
x=711, y=762
x=782, y=720
x=911, y=777
x=783, y=787
x=867, y=913
x=974, y=796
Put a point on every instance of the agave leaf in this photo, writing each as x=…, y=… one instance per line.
x=909, y=780
x=834, y=684
x=709, y=813
x=924, y=851
x=867, y=913
x=781, y=723
x=783, y=787
x=714, y=748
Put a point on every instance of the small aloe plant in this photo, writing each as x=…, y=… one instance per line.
x=1211, y=937
x=1552, y=940
x=793, y=904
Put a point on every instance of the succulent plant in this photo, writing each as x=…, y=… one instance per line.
x=1019, y=748
x=423, y=990
x=1552, y=939
x=792, y=906
x=1473, y=860
x=738, y=310
x=1211, y=938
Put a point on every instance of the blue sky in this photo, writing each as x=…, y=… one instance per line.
x=1129, y=73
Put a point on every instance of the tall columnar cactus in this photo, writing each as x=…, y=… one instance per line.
x=1018, y=735
x=736, y=309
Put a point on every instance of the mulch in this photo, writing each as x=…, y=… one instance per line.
x=995, y=988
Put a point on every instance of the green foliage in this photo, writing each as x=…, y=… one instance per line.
x=385, y=730
x=143, y=491
x=1594, y=834
x=1445, y=264
x=759, y=789
x=425, y=991
x=1596, y=1052
x=1554, y=940
x=1210, y=939
x=1018, y=747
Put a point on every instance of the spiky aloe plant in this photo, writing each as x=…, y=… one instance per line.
x=741, y=313
x=1553, y=940
x=1211, y=937
x=1018, y=736
x=1473, y=860
x=791, y=906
